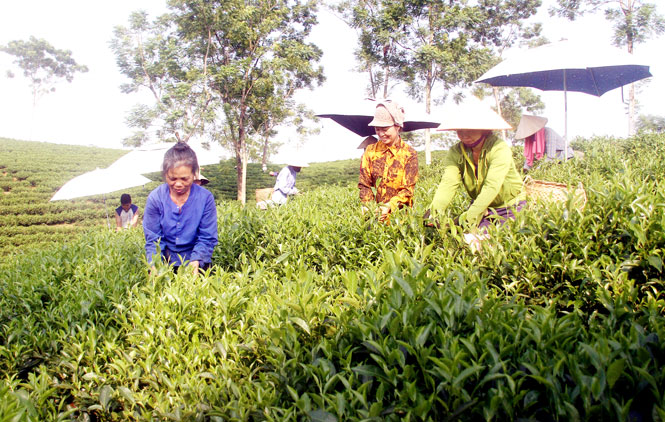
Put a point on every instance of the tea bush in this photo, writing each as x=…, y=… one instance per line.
x=30, y=173
x=313, y=311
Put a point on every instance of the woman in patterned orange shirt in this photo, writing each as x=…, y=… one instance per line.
x=390, y=165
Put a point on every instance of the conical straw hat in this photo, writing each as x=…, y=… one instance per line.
x=367, y=142
x=297, y=163
x=204, y=180
x=472, y=115
x=529, y=125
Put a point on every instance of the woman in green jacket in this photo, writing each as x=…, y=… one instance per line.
x=484, y=164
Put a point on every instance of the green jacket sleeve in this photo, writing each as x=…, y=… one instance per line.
x=452, y=177
x=499, y=161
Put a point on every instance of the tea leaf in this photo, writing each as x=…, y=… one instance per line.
x=105, y=396
x=614, y=371
x=321, y=416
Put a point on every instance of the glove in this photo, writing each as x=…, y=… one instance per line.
x=429, y=221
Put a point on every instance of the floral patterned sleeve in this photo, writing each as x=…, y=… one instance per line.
x=365, y=181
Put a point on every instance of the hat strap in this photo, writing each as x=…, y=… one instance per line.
x=479, y=141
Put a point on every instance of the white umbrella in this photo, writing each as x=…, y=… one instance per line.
x=567, y=66
x=99, y=182
x=149, y=158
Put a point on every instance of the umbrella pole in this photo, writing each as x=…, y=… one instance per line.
x=108, y=223
x=565, y=117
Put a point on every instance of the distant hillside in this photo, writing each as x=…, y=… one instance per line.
x=223, y=177
x=30, y=173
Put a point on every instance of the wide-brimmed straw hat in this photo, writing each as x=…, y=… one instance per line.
x=472, y=116
x=388, y=113
x=201, y=178
x=529, y=125
x=367, y=142
x=297, y=163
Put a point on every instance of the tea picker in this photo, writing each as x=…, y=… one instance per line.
x=285, y=185
x=540, y=141
x=483, y=164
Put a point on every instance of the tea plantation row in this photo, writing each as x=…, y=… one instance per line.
x=315, y=312
x=31, y=172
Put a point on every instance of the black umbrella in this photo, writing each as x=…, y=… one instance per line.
x=358, y=123
x=567, y=66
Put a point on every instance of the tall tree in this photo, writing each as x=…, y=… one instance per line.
x=235, y=64
x=43, y=65
x=378, y=34
x=650, y=124
x=444, y=42
x=634, y=22
x=258, y=51
x=157, y=60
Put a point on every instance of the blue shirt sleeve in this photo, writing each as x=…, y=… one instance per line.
x=207, y=237
x=152, y=227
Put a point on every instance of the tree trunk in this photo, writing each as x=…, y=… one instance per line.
x=264, y=159
x=498, y=109
x=428, y=109
x=241, y=166
x=631, y=91
x=631, y=110
x=239, y=176
x=244, y=178
x=386, y=70
x=372, y=82
x=428, y=94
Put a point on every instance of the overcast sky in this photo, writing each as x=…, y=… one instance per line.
x=91, y=110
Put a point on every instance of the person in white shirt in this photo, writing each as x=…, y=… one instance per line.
x=285, y=185
x=127, y=214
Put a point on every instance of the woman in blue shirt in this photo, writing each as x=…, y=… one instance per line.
x=180, y=217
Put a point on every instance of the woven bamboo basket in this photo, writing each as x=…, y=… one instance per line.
x=541, y=190
x=263, y=194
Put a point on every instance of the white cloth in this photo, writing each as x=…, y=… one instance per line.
x=126, y=218
x=285, y=185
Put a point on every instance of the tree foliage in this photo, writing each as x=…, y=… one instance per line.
x=426, y=43
x=43, y=64
x=239, y=61
x=650, y=124
x=156, y=59
x=634, y=21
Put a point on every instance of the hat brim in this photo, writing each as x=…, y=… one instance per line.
x=473, y=118
x=474, y=127
x=529, y=125
x=382, y=123
x=367, y=142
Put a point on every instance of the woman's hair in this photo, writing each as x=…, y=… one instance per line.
x=125, y=198
x=179, y=155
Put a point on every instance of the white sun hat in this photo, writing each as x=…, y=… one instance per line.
x=297, y=163
x=472, y=115
x=529, y=125
x=388, y=113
